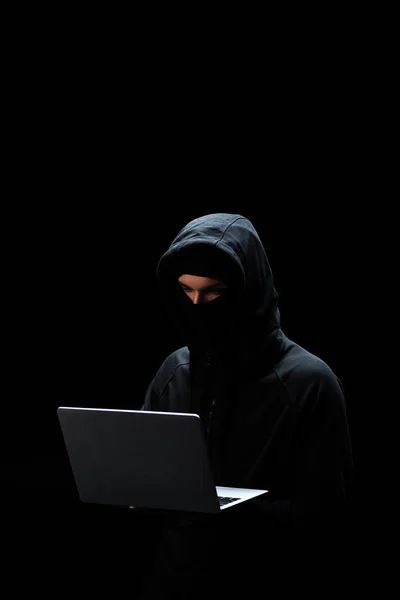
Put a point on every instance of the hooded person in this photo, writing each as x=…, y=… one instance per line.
x=274, y=414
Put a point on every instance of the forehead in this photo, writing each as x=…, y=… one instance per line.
x=196, y=282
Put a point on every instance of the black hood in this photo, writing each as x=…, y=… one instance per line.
x=227, y=246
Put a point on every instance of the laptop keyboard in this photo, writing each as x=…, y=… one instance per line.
x=225, y=499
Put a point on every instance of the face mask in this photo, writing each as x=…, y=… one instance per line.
x=209, y=326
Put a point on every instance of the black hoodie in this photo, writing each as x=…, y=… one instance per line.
x=274, y=414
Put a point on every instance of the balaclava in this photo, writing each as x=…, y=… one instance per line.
x=209, y=326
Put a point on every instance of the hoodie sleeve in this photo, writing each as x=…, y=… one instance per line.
x=325, y=455
x=319, y=497
x=151, y=397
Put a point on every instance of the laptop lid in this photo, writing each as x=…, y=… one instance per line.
x=140, y=458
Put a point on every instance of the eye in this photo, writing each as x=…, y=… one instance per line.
x=213, y=293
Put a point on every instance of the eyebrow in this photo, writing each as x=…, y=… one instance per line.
x=214, y=286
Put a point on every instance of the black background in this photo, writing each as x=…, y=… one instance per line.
x=105, y=160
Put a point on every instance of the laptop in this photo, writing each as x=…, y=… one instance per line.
x=144, y=459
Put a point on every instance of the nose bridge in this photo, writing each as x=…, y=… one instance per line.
x=197, y=297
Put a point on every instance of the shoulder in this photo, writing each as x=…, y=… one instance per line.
x=306, y=375
x=175, y=362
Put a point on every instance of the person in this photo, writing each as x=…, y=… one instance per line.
x=274, y=417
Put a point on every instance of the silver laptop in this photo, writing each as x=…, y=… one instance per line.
x=146, y=459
